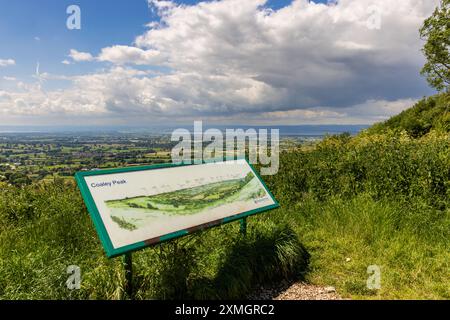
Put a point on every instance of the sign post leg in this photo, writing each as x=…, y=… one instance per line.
x=244, y=226
x=128, y=265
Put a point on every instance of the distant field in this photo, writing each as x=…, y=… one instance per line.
x=27, y=158
x=31, y=157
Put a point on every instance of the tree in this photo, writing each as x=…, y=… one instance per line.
x=436, y=32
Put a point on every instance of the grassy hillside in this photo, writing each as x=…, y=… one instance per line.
x=381, y=198
x=376, y=199
x=428, y=114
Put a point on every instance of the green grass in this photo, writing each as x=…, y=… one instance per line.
x=378, y=199
x=409, y=242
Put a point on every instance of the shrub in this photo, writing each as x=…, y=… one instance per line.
x=387, y=165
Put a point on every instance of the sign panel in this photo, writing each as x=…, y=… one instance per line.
x=139, y=206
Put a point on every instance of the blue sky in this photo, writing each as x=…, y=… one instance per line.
x=104, y=22
x=328, y=45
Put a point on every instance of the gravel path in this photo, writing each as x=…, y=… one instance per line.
x=296, y=291
x=302, y=291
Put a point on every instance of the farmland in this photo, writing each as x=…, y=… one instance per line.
x=32, y=157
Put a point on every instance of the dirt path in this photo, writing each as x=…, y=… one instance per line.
x=296, y=291
x=302, y=291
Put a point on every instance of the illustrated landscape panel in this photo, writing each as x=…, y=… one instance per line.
x=139, y=206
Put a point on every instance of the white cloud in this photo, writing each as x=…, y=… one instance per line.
x=161, y=5
x=350, y=45
x=66, y=62
x=312, y=54
x=80, y=56
x=131, y=55
x=234, y=59
x=7, y=62
x=369, y=112
x=122, y=95
x=378, y=110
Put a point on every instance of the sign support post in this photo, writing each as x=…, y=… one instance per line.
x=128, y=266
x=244, y=226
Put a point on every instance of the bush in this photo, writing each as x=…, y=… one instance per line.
x=390, y=165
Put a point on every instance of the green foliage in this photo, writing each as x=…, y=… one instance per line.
x=391, y=166
x=231, y=268
x=436, y=32
x=17, y=178
x=43, y=230
x=378, y=199
x=272, y=254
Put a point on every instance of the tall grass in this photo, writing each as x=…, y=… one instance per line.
x=378, y=200
x=410, y=243
x=45, y=228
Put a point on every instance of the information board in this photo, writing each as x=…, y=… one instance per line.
x=136, y=207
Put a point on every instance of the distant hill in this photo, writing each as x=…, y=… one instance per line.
x=428, y=114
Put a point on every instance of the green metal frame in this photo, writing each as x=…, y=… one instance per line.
x=112, y=252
